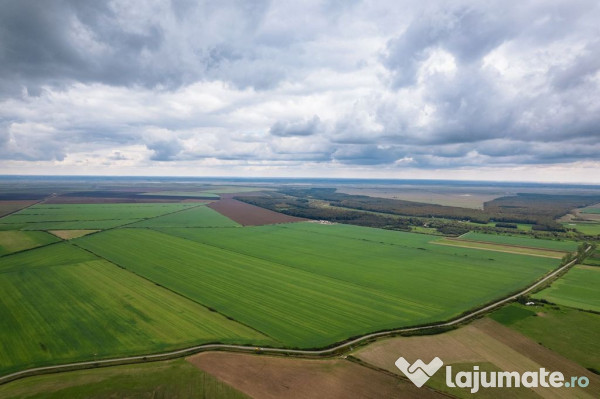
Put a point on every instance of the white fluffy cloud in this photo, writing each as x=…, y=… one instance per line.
x=320, y=87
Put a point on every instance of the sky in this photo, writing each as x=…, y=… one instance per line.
x=478, y=90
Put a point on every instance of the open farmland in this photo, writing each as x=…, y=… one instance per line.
x=455, y=242
x=168, y=379
x=579, y=288
x=199, y=216
x=484, y=343
x=7, y=207
x=250, y=215
x=85, y=216
x=61, y=304
x=555, y=245
x=310, y=285
x=593, y=259
x=14, y=241
x=570, y=332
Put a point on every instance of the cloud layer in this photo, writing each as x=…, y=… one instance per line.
x=262, y=87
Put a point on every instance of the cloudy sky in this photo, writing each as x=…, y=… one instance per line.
x=505, y=90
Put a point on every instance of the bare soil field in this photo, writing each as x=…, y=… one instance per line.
x=70, y=234
x=266, y=377
x=250, y=215
x=483, y=341
x=7, y=207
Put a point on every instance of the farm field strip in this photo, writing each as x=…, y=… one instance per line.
x=308, y=304
x=578, y=288
x=14, y=241
x=90, y=212
x=487, y=246
x=564, y=246
x=61, y=304
x=296, y=307
x=402, y=259
x=198, y=216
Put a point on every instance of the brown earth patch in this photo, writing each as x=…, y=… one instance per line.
x=483, y=341
x=267, y=377
x=8, y=207
x=250, y=215
x=70, y=234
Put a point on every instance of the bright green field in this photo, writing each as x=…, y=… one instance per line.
x=13, y=241
x=567, y=246
x=169, y=379
x=554, y=328
x=201, y=216
x=594, y=209
x=309, y=285
x=60, y=303
x=588, y=228
x=579, y=288
x=86, y=216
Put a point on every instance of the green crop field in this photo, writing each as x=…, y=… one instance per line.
x=587, y=228
x=579, y=288
x=85, y=216
x=591, y=209
x=200, y=216
x=14, y=241
x=593, y=259
x=61, y=304
x=309, y=285
x=567, y=246
x=499, y=247
x=553, y=327
x=168, y=379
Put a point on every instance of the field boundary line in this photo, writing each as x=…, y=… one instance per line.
x=332, y=351
x=494, y=250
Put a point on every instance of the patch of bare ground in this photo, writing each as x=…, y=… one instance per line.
x=483, y=341
x=250, y=215
x=70, y=234
x=8, y=207
x=265, y=377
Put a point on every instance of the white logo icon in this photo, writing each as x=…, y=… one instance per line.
x=419, y=372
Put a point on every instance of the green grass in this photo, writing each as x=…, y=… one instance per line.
x=169, y=379
x=201, y=216
x=61, y=304
x=593, y=259
x=86, y=216
x=595, y=209
x=587, y=228
x=567, y=246
x=570, y=332
x=499, y=247
x=579, y=288
x=310, y=285
x=14, y=241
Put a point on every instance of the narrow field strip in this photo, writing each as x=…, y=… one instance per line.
x=499, y=248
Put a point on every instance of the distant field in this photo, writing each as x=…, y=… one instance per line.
x=61, y=304
x=484, y=343
x=309, y=285
x=591, y=209
x=7, y=207
x=579, y=288
x=13, y=241
x=85, y=216
x=201, y=216
x=200, y=194
x=569, y=332
x=499, y=248
x=566, y=246
x=168, y=379
x=588, y=228
x=250, y=215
